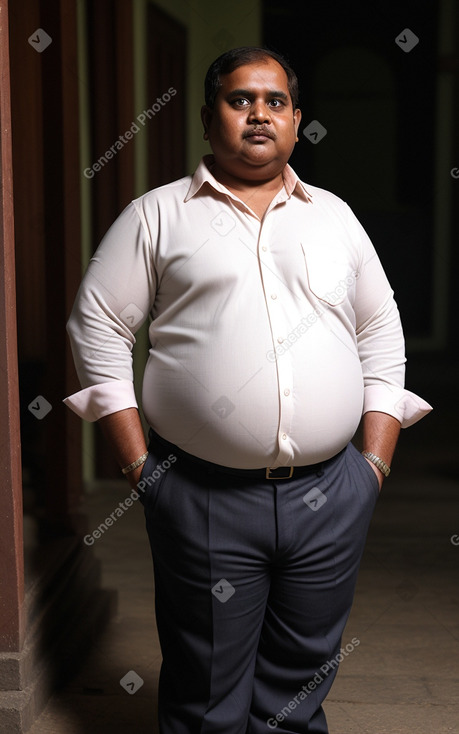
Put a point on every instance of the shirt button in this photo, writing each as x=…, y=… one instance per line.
x=287, y=392
x=280, y=339
x=274, y=296
x=284, y=436
x=264, y=248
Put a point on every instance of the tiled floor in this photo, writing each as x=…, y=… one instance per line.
x=95, y=702
x=402, y=677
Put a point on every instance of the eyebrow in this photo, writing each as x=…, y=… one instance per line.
x=248, y=93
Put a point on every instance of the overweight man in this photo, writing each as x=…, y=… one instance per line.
x=273, y=333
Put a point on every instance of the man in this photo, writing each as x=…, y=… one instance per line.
x=273, y=329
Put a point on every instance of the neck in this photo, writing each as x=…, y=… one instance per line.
x=268, y=186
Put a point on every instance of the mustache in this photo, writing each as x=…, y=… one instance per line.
x=259, y=130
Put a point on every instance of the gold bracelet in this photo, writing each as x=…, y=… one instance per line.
x=138, y=462
x=382, y=466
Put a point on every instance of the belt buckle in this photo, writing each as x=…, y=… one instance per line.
x=285, y=476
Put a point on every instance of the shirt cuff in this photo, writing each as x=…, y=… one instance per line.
x=402, y=404
x=94, y=402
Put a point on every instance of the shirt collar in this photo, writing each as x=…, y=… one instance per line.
x=203, y=175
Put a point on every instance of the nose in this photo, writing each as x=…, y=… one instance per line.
x=259, y=112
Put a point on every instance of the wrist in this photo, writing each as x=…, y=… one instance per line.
x=135, y=464
x=379, y=463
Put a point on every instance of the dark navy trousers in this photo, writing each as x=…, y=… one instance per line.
x=254, y=582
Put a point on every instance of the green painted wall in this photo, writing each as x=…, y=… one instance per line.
x=213, y=27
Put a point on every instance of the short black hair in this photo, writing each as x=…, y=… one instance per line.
x=236, y=57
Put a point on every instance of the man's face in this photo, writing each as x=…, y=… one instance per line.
x=252, y=127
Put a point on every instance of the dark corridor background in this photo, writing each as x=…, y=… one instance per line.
x=377, y=104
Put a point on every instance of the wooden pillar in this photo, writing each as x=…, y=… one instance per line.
x=11, y=540
x=64, y=609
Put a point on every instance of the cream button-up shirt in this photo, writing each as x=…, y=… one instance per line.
x=269, y=339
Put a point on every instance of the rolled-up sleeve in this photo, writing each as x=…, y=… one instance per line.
x=94, y=402
x=380, y=340
x=114, y=299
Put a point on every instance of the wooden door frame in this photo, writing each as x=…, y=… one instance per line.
x=12, y=627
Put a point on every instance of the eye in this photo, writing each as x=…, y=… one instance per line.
x=276, y=103
x=240, y=102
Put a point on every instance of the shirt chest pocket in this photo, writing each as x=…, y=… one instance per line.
x=331, y=276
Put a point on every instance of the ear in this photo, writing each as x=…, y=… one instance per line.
x=297, y=120
x=206, y=117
